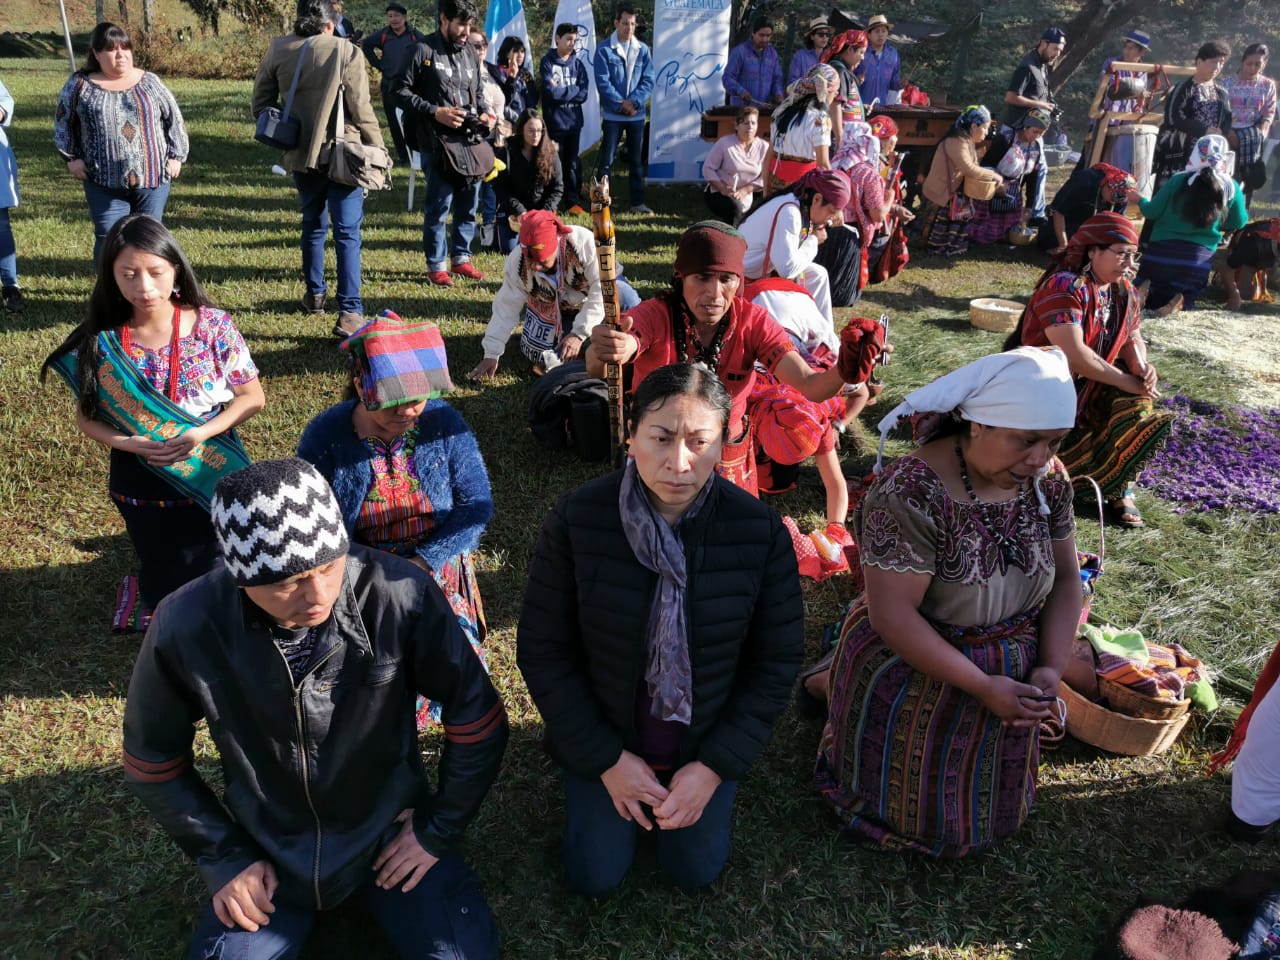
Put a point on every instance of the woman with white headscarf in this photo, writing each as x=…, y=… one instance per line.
x=843, y=256
x=1188, y=216
x=953, y=653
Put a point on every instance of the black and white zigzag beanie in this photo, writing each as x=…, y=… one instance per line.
x=275, y=519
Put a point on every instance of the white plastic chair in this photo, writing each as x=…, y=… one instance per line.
x=415, y=160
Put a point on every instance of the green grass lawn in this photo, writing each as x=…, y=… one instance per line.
x=84, y=872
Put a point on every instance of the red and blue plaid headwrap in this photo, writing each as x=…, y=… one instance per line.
x=398, y=361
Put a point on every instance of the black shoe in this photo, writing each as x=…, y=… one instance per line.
x=12, y=299
x=1246, y=832
x=313, y=303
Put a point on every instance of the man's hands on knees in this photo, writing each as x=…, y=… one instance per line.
x=245, y=900
x=403, y=859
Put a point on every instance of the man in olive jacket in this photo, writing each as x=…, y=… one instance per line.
x=305, y=655
x=320, y=51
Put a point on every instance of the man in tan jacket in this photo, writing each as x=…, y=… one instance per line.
x=320, y=60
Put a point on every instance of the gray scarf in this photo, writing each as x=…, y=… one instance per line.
x=658, y=547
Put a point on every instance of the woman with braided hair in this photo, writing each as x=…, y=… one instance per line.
x=1085, y=305
x=800, y=138
x=702, y=320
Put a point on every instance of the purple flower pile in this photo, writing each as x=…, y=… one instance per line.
x=1217, y=459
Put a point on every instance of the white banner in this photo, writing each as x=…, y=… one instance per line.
x=578, y=12
x=690, y=51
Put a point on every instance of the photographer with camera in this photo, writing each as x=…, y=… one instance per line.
x=441, y=91
x=1029, y=90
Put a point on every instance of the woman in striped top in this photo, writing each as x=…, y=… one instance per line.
x=1253, y=110
x=120, y=132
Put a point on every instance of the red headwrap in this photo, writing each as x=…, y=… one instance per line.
x=540, y=233
x=1100, y=230
x=1114, y=180
x=832, y=184
x=710, y=246
x=883, y=127
x=850, y=38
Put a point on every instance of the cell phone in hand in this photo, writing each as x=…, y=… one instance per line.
x=884, y=354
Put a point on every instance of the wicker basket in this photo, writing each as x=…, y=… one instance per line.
x=994, y=314
x=978, y=188
x=1116, y=732
x=1128, y=701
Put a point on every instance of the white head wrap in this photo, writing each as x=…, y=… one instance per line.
x=1029, y=388
x=1212, y=153
x=858, y=145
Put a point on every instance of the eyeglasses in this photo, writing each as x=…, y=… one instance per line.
x=1130, y=256
x=479, y=45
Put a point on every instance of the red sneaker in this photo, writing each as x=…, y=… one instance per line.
x=465, y=269
x=439, y=278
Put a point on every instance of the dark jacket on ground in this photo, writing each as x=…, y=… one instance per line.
x=564, y=85
x=520, y=189
x=581, y=640
x=424, y=86
x=315, y=775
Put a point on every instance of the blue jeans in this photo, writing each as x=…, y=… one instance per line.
x=8, y=252
x=443, y=196
x=611, y=136
x=599, y=845
x=108, y=206
x=445, y=917
x=1035, y=192
x=323, y=201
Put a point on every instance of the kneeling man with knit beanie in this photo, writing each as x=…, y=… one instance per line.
x=305, y=655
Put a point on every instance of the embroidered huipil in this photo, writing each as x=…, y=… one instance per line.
x=124, y=137
x=1251, y=102
x=213, y=359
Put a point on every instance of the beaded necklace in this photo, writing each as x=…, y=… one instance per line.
x=686, y=332
x=126, y=341
x=1006, y=543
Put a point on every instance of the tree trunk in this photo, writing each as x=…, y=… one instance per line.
x=148, y=17
x=124, y=13
x=99, y=10
x=1097, y=22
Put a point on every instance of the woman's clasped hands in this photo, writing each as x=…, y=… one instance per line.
x=632, y=786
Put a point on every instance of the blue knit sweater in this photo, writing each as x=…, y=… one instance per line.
x=446, y=460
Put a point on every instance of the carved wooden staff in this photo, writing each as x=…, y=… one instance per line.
x=602, y=222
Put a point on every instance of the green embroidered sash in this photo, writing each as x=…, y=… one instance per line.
x=130, y=404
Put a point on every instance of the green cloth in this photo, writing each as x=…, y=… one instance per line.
x=1201, y=695
x=1167, y=222
x=1119, y=643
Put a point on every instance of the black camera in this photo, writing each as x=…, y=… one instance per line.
x=472, y=127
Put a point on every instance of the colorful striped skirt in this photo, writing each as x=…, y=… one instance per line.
x=908, y=762
x=1117, y=432
x=944, y=237
x=1175, y=267
x=457, y=581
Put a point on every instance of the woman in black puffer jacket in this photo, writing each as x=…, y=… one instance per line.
x=661, y=633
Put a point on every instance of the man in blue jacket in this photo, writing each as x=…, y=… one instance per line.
x=624, y=79
x=562, y=77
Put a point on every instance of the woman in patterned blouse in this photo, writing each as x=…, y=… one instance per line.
x=405, y=466
x=120, y=132
x=952, y=655
x=191, y=355
x=1253, y=110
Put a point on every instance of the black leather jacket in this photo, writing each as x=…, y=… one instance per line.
x=315, y=775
